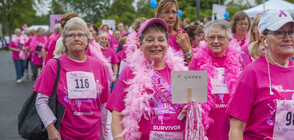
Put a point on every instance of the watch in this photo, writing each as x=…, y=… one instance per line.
x=188, y=54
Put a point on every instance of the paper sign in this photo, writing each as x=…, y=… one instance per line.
x=54, y=19
x=183, y=80
x=109, y=22
x=219, y=10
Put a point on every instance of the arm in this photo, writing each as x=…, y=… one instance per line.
x=44, y=53
x=47, y=116
x=236, y=129
x=115, y=70
x=116, y=126
x=184, y=43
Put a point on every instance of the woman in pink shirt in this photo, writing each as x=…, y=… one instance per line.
x=221, y=61
x=167, y=10
x=255, y=108
x=196, y=35
x=36, y=47
x=141, y=107
x=82, y=87
x=115, y=40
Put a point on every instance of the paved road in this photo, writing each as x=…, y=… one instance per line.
x=12, y=97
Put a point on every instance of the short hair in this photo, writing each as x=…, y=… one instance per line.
x=104, y=25
x=17, y=30
x=154, y=27
x=76, y=23
x=137, y=23
x=57, y=28
x=27, y=31
x=95, y=28
x=67, y=16
x=208, y=18
x=40, y=29
x=221, y=24
x=191, y=31
x=239, y=16
x=166, y=3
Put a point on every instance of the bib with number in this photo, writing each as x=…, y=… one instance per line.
x=284, y=122
x=219, y=86
x=81, y=85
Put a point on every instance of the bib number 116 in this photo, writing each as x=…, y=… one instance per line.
x=290, y=118
x=84, y=83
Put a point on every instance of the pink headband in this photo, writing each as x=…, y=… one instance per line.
x=102, y=34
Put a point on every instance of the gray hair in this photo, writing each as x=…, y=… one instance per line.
x=17, y=30
x=40, y=29
x=27, y=31
x=59, y=49
x=75, y=23
x=221, y=24
x=57, y=28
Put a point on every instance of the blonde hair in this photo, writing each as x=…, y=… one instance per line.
x=253, y=48
x=138, y=22
x=167, y=3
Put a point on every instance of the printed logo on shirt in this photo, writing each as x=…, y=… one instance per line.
x=166, y=128
x=83, y=113
x=280, y=88
x=220, y=105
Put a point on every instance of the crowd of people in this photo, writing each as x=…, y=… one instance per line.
x=117, y=84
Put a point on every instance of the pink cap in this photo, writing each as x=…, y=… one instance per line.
x=150, y=21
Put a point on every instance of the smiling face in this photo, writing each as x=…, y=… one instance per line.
x=217, y=41
x=77, y=43
x=154, y=45
x=117, y=35
x=242, y=26
x=281, y=47
x=103, y=41
x=40, y=33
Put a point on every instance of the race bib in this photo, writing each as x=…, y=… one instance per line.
x=284, y=122
x=219, y=85
x=81, y=85
x=157, y=135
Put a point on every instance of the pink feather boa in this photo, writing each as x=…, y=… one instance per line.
x=137, y=99
x=96, y=52
x=132, y=44
x=232, y=71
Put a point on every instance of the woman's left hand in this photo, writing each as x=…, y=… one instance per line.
x=114, y=78
x=184, y=42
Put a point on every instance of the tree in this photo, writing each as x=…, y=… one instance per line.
x=15, y=13
x=123, y=9
x=144, y=9
x=89, y=10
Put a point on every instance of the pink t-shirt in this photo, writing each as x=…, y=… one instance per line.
x=114, y=44
x=219, y=129
x=82, y=116
x=245, y=56
x=37, y=45
x=51, y=37
x=252, y=102
x=110, y=55
x=51, y=48
x=160, y=120
x=172, y=41
x=13, y=44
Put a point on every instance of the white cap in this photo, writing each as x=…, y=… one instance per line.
x=274, y=20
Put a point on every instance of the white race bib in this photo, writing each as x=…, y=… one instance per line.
x=284, y=122
x=219, y=86
x=158, y=135
x=81, y=85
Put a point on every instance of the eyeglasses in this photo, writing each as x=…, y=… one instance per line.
x=168, y=13
x=241, y=24
x=282, y=34
x=219, y=38
x=79, y=35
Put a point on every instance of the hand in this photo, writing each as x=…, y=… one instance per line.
x=184, y=42
x=114, y=78
x=185, y=110
x=53, y=133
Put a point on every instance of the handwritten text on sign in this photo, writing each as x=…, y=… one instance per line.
x=182, y=80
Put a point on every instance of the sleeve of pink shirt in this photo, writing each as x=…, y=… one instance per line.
x=114, y=57
x=192, y=64
x=241, y=102
x=116, y=100
x=45, y=81
x=106, y=92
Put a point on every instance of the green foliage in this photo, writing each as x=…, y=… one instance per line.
x=15, y=13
